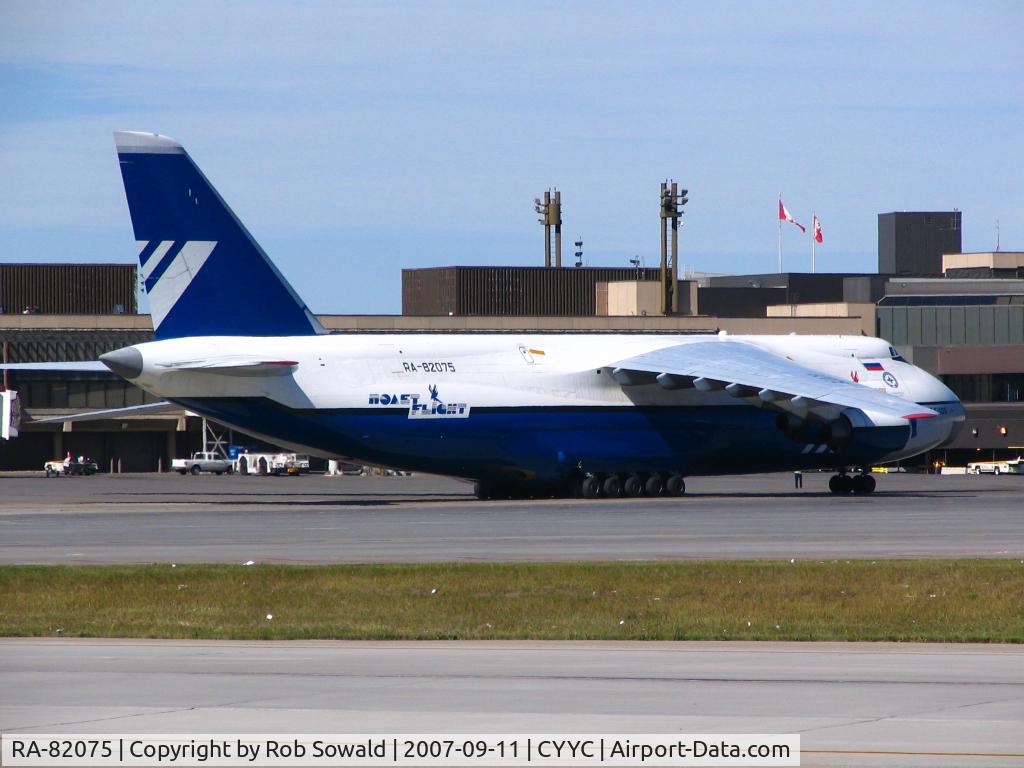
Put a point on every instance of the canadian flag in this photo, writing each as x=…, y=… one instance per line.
x=785, y=216
x=817, y=230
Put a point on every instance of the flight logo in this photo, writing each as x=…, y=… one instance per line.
x=889, y=379
x=436, y=408
x=419, y=408
x=386, y=399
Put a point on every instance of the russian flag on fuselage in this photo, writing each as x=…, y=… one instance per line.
x=874, y=366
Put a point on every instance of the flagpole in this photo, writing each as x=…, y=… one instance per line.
x=814, y=237
x=780, y=235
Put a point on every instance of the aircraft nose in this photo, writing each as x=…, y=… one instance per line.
x=126, y=362
x=956, y=416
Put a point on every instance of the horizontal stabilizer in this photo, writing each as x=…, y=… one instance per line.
x=92, y=366
x=148, y=409
x=235, y=366
x=744, y=370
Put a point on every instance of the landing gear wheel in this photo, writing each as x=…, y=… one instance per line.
x=243, y=466
x=840, y=484
x=264, y=467
x=655, y=485
x=591, y=487
x=612, y=486
x=675, y=485
x=482, y=490
x=863, y=484
x=634, y=486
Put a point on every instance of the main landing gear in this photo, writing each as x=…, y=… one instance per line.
x=596, y=486
x=633, y=485
x=860, y=484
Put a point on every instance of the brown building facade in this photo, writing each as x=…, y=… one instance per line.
x=68, y=289
x=509, y=291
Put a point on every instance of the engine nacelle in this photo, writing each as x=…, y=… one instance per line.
x=835, y=434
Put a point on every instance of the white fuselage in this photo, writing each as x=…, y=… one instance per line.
x=445, y=377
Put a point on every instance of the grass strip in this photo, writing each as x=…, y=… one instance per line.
x=909, y=600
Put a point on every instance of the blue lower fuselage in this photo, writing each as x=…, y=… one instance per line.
x=551, y=444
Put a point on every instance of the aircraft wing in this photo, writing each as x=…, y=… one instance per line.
x=745, y=370
x=234, y=365
x=91, y=366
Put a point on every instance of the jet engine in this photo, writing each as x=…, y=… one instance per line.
x=835, y=433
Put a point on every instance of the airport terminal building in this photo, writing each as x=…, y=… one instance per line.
x=962, y=321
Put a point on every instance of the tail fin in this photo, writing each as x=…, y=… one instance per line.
x=204, y=273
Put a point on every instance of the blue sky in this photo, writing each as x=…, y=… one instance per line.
x=355, y=139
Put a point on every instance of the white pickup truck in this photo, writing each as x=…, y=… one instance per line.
x=203, y=461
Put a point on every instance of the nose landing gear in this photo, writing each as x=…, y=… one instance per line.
x=860, y=484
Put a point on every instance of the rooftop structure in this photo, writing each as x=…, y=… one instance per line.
x=990, y=264
x=510, y=290
x=912, y=243
x=67, y=289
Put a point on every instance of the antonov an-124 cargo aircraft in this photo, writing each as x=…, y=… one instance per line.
x=586, y=414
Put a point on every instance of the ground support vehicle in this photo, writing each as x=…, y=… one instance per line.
x=203, y=461
x=58, y=467
x=263, y=463
x=1007, y=467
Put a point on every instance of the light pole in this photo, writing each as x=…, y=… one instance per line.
x=672, y=201
x=550, y=210
x=544, y=209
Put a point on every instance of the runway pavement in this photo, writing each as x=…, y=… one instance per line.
x=316, y=519
x=853, y=704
